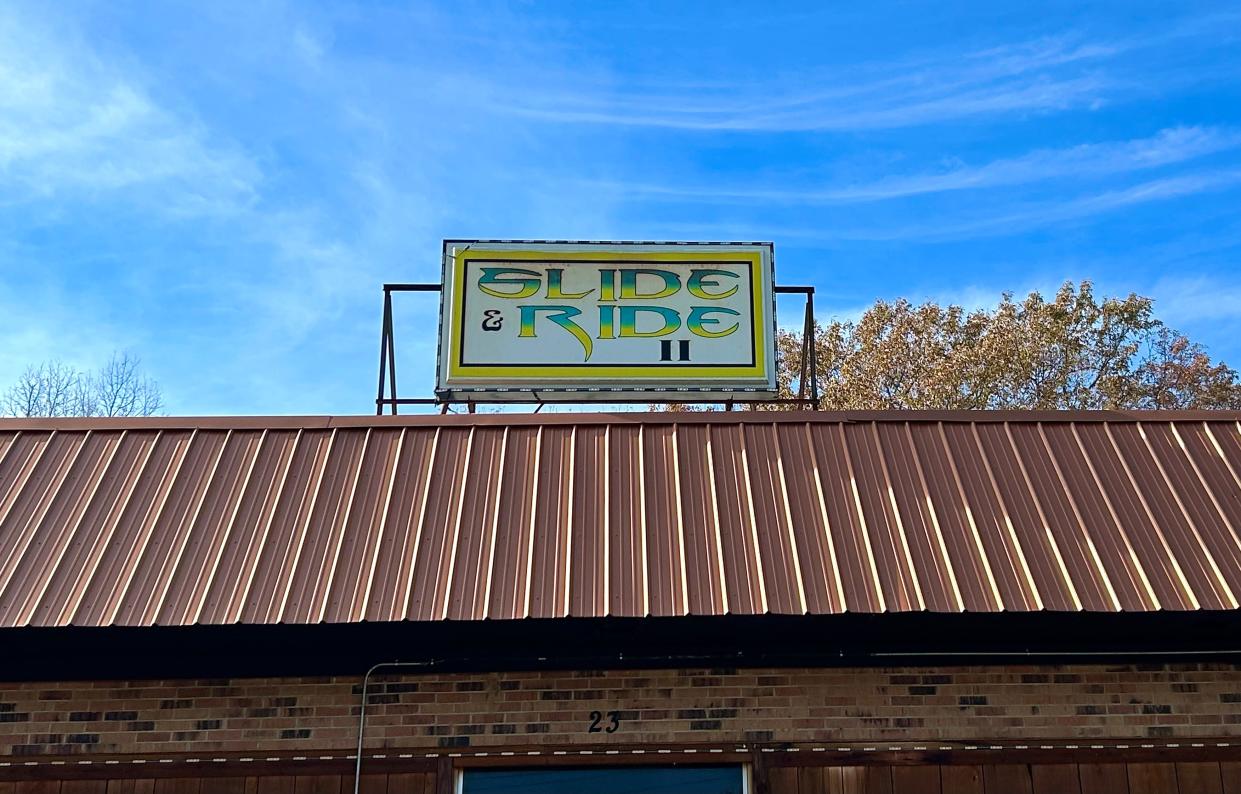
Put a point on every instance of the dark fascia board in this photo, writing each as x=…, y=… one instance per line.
x=854, y=640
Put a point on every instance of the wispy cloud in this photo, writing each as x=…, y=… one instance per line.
x=1197, y=299
x=1076, y=209
x=72, y=125
x=1033, y=215
x=1174, y=145
x=1043, y=75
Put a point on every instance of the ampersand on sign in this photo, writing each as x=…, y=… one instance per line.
x=492, y=320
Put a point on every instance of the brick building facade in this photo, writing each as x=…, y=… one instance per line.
x=722, y=707
x=888, y=603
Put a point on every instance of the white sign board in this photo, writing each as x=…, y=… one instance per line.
x=606, y=321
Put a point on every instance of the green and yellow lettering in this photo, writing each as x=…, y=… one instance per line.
x=607, y=322
x=629, y=284
x=555, y=290
x=698, y=319
x=526, y=281
x=701, y=280
x=629, y=321
x=561, y=316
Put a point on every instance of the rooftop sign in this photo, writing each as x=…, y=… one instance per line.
x=607, y=321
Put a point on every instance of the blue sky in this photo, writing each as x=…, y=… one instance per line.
x=221, y=188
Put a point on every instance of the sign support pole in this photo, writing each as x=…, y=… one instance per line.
x=385, y=340
x=808, y=373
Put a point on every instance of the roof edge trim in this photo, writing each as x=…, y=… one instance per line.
x=616, y=418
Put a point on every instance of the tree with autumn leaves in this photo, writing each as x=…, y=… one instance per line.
x=1074, y=351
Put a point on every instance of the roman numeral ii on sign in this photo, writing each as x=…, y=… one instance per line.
x=665, y=350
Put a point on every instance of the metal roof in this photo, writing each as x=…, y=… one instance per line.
x=303, y=520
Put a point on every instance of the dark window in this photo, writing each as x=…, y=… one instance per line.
x=606, y=780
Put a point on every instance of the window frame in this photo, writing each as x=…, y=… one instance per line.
x=745, y=767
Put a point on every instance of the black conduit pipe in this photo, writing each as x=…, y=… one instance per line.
x=366, y=680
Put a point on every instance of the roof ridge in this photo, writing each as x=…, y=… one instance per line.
x=326, y=421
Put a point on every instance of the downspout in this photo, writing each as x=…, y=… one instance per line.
x=366, y=680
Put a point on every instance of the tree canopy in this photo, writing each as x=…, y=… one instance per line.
x=1073, y=351
x=118, y=388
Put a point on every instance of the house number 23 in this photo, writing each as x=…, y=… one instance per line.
x=601, y=723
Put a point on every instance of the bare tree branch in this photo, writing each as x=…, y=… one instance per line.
x=26, y=396
x=118, y=388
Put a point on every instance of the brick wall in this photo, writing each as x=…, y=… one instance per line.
x=653, y=706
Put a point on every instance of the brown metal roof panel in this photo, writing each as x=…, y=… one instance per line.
x=818, y=571
x=25, y=576
x=1125, y=573
x=152, y=578
x=6, y=443
x=1066, y=568
x=1025, y=519
x=1202, y=517
x=1222, y=468
x=743, y=574
x=118, y=561
x=1125, y=504
x=65, y=582
x=884, y=532
x=1168, y=486
x=982, y=520
x=553, y=510
x=772, y=523
x=471, y=519
x=471, y=565
x=859, y=582
x=265, y=596
x=508, y=593
x=1111, y=464
x=35, y=498
x=208, y=531
x=931, y=569
x=387, y=592
x=1225, y=437
x=37, y=522
x=83, y=442
x=20, y=460
x=964, y=547
x=989, y=519
x=249, y=527
x=362, y=531
x=587, y=545
x=704, y=564
x=1207, y=491
x=437, y=529
x=665, y=541
x=626, y=538
x=316, y=559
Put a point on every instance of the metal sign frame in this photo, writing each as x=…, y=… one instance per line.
x=808, y=377
x=480, y=274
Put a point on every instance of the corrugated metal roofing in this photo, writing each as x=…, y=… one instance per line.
x=305, y=520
